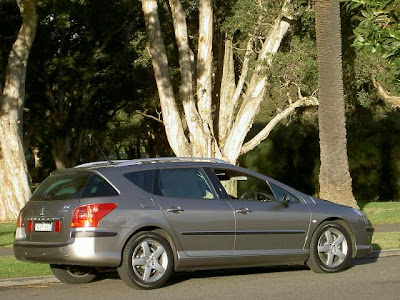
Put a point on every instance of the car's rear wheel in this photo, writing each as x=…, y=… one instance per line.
x=330, y=248
x=74, y=274
x=147, y=261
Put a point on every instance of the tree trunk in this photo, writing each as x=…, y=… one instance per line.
x=172, y=120
x=334, y=176
x=15, y=189
x=204, y=62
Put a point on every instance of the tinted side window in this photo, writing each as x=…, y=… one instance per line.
x=185, y=183
x=98, y=187
x=142, y=179
x=280, y=194
x=62, y=186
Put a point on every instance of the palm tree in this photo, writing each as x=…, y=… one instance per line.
x=334, y=176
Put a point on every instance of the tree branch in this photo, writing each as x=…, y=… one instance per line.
x=144, y=114
x=393, y=101
x=264, y=133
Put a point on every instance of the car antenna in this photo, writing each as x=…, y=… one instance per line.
x=101, y=151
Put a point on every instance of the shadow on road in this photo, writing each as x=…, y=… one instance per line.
x=183, y=276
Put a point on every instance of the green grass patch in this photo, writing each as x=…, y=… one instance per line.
x=10, y=267
x=7, y=234
x=382, y=212
x=386, y=240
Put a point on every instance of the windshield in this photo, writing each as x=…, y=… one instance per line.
x=61, y=186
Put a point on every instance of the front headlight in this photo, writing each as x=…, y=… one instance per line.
x=359, y=212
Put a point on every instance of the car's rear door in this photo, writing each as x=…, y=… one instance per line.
x=203, y=223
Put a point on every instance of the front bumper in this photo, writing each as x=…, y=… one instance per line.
x=363, y=250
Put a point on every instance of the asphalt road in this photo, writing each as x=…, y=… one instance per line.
x=366, y=279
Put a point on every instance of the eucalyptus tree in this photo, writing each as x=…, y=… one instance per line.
x=334, y=176
x=15, y=189
x=194, y=124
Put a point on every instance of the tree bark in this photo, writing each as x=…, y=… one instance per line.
x=204, y=62
x=334, y=176
x=256, y=90
x=172, y=119
x=198, y=134
x=15, y=189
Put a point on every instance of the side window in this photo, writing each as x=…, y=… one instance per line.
x=184, y=183
x=244, y=186
x=98, y=187
x=280, y=193
x=142, y=179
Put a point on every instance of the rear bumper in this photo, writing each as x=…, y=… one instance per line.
x=85, y=251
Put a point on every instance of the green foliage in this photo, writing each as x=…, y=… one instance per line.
x=378, y=28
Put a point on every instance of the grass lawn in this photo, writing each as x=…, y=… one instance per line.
x=386, y=240
x=382, y=212
x=7, y=234
x=12, y=268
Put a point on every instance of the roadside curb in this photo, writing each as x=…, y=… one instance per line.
x=383, y=253
x=12, y=282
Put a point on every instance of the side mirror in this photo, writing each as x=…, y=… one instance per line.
x=285, y=200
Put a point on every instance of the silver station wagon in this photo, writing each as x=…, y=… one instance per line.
x=150, y=217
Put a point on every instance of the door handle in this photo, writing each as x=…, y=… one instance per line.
x=243, y=210
x=175, y=209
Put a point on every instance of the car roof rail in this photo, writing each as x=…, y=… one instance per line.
x=170, y=160
x=102, y=163
x=140, y=161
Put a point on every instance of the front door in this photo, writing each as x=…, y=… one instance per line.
x=264, y=224
x=203, y=223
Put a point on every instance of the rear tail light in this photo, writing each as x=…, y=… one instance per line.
x=57, y=226
x=20, y=220
x=90, y=215
x=30, y=226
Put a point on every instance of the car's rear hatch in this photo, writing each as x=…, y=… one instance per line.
x=47, y=216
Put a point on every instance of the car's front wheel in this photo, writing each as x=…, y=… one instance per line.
x=73, y=274
x=147, y=261
x=330, y=248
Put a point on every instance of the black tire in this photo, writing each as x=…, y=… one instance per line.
x=153, y=269
x=327, y=255
x=74, y=274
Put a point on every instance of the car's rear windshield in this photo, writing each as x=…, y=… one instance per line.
x=61, y=186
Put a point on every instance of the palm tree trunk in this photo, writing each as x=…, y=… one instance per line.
x=334, y=176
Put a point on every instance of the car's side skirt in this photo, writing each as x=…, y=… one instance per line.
x=203, y=260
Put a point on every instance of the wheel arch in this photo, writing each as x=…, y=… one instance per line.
x=156, y=229
x=342, y=222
